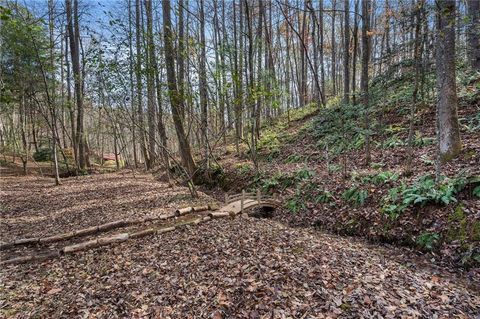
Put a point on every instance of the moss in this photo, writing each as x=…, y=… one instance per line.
x=458, y=225
x=476, y=231
x=448, y=156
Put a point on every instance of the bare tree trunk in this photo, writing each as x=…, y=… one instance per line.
x=132, y=95
x=355, y=52
x=203, y=87
x=473, y=34
x=181, y=55
x=418, y=63
x=447, y=118
x=175, y=99
x=258, y=108
x=334, y=70
x=74, y=37
x=22, y=116
x=138, y=73
x=322, y=66
x=364, y=76
x=150, y=50
x=346, y=55
x=251, y=84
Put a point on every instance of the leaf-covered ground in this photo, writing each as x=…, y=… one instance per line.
x=241, y=268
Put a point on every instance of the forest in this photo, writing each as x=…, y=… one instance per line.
x=240, y=158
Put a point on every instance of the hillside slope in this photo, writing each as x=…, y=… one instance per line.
x=317, y=163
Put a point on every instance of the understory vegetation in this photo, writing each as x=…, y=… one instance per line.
x=316, y=163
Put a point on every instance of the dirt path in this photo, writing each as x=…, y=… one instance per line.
x=243, y=268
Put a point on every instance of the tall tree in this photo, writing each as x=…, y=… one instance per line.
x=175, y=99
x=364, y=75
x=449, y=144
x=138, y=75
x=74, y=37
x=151, y=102
x=473, y=34
x=203, y=85
x=346, y=54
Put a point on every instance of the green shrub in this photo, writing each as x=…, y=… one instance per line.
x=420, y=140
x=392, y=142
x=43, y=155
x=294, y=158
x=355, y=195
x=428, y=240
x=422, y=192
x=476, y=191
x=324, y=196
x=333, y=168
x=379, y=178
x=304, y=174
x=295, y=204
x=243, y=168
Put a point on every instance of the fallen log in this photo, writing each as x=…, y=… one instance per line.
x=100, y=242
x=183, y=211
x=95, y=243
x=201, y=208
x=219, y=214
x=143, y=233
x=112, y=225
x=213, y=206
x=98, y=229
x=29, y=258
x=25, y=241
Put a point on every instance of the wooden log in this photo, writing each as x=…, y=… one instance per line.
x=86, y=231
x=168, y=216
x=111, y=225
x=60, y=237
x=165, y=230
x=17, y=260
x=143, y=233
x=183, y=211
x=112, y=239
x=213, y=206
x=30, y=258
x=81, y=246
x=190, y=222
x=25, y=241
x=200, y=208
x=198, y=221
x=219, y=214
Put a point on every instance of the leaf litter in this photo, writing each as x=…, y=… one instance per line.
x=240, y=268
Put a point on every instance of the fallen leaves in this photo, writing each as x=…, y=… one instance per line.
x=241, y=268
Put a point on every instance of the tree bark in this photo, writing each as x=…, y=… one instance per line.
x=346, y=55
x=364, y=75
x=449, y=144
x=473, y=34
x=74, y=37
x=138, y=74
x=150, y=50
x=175, y=99
x=203, y=87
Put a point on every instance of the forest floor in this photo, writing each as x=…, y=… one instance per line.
x=242, y=268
